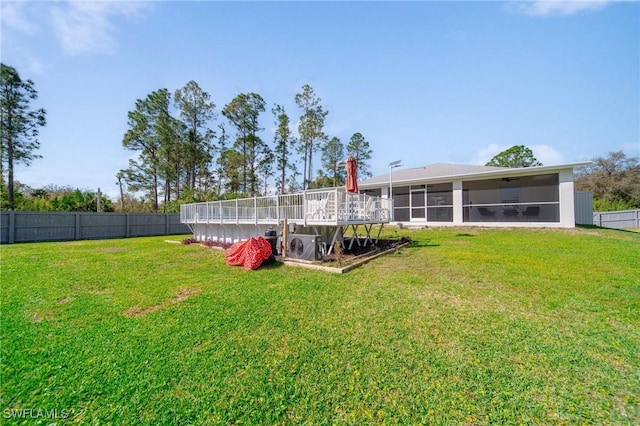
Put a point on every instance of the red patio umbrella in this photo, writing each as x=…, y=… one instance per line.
x=352, y=175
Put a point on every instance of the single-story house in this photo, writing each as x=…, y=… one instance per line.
x=454, y=194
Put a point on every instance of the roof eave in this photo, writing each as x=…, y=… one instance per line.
x=520, y=171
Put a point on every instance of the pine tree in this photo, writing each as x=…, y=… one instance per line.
x=154, y=134
x=19, y=125
x=283, y=142
x=310, y=129
x=333, y=161
x=358, y=148
x=196, y=111
x=243, y=112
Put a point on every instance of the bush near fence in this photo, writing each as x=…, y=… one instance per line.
x=20, y=227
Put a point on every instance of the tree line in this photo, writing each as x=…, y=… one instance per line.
x=185, y=154
x=185, y=150
x=614, y=181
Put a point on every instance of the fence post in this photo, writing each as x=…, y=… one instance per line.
x=12, y=226
x=166, y=224
x=77, y=231
x=127, y=226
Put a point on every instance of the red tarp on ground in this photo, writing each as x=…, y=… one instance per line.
x=250, y=253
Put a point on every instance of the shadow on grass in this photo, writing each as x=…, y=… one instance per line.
x=465, y=235
x=596, y=227
x=419, y=244
x=274, y=264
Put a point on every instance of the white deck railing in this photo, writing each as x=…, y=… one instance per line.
x=333, y=206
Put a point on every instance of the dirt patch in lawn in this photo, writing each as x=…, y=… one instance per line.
x=40, y=316
x=101, y=292
x=110, y=249
x=137, y=311
x=356, y=252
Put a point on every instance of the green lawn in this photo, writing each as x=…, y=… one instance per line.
x=463, y=326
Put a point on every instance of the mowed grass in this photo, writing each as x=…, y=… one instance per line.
x=464, y=326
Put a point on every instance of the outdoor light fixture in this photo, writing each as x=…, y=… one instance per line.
x=392, y=165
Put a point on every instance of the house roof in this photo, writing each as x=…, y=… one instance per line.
x=446, y=171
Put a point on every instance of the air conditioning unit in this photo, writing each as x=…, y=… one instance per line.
x=307, y=247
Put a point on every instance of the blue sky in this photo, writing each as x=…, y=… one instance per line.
x=424, y=82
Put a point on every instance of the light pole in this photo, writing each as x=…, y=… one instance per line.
x=392, y=165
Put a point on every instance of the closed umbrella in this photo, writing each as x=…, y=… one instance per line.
x=352, y=181
x=352, y=175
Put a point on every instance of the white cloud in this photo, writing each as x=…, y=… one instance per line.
x=28, y=64
x=547, y=155
x=482, y=156
x=544, y=8
x=86, y=26
x=13, y=17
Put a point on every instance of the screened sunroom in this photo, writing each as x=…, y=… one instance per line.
x=450, y=194
x=518, y=199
